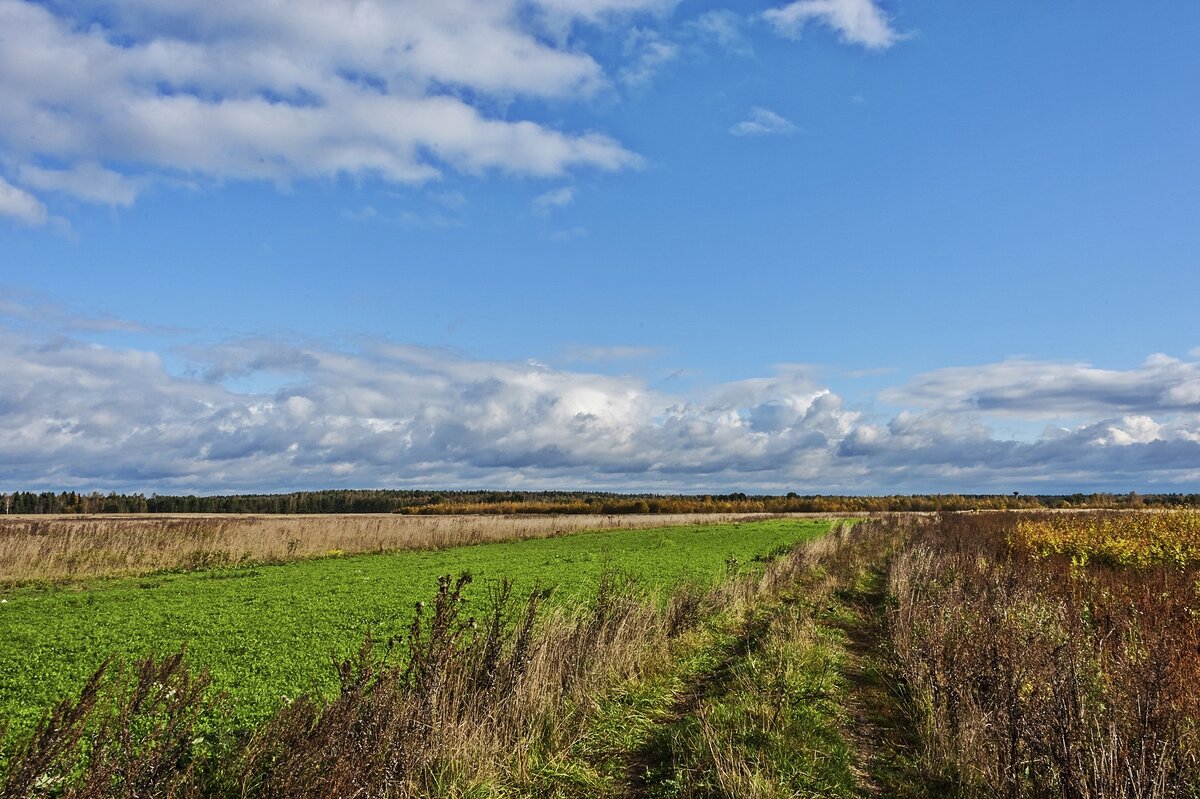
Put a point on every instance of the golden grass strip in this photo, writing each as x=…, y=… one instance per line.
x=38, y=548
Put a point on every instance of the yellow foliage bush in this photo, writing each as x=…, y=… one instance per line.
x=1131, y=539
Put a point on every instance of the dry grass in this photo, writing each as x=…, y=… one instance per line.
x=70, y=547
x=1038, y=676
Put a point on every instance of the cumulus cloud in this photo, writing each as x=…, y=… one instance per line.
x=98, y=96
x=763, y=122
x=1138, y=427
x=100, y=99
x=937, y=449
x=856, y=21
x=77, y=413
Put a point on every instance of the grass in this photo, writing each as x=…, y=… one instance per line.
x=458, y=709
x=1042, y=674
x=270, y=632
x=764, y=723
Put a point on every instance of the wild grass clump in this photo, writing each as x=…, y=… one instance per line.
x=133, y=733
x=1033, y=675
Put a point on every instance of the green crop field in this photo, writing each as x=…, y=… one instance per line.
x=271, y=631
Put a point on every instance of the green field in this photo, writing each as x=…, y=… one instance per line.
x=271, y=631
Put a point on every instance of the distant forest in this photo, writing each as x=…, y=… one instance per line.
x=480, y=502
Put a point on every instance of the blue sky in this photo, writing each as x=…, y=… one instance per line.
x=819, y=245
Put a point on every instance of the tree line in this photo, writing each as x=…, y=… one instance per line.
x=484, y=501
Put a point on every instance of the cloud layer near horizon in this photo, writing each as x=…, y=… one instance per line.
x=75, y=414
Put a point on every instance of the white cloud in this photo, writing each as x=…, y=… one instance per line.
x=555, y=198
x=1132, y=430
x=856, y=21
x=100, y=99
x=86, y=181
x=724, y=29
x=763, y=122
x=98, y=96
x=76, y=414
x=21, y=205
x=1045, y=389
x=650, y=52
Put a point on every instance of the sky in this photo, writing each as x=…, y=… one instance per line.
x=824, y=246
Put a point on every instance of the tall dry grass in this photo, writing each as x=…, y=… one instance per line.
x=1041, y=677
x=69, y=547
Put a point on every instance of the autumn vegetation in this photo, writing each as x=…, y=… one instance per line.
x=1041, y=659
x=1022, y=656
x=1165, y=539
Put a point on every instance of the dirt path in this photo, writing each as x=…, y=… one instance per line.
x=879, y=729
